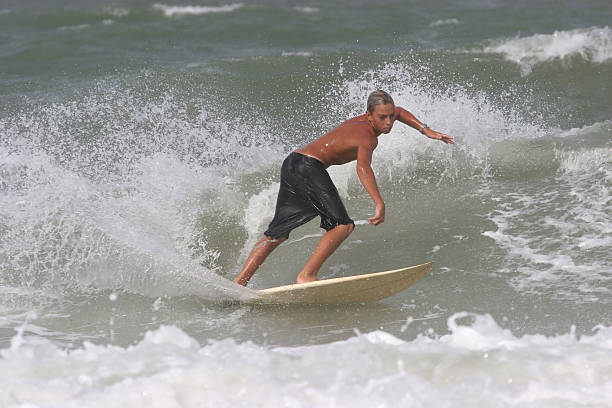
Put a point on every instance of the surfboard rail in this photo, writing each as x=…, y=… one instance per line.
x=349, y=289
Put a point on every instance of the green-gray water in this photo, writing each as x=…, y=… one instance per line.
x=140, y=148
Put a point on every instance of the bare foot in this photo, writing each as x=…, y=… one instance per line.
x=307, y=278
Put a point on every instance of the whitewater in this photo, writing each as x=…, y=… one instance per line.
x=140, y=149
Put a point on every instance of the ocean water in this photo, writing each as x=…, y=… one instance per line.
x=140, y=148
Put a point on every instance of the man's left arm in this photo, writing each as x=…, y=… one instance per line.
x=409, y=119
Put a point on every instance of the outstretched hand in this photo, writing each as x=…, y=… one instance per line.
x=432, y=134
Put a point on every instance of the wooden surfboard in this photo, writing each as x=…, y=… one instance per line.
x=350, y=289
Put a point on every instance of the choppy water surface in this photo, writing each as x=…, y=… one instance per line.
x=140, y=147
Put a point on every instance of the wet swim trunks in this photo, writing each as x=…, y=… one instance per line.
x=306, y=190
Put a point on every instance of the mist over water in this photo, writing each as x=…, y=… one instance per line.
x=136, y=175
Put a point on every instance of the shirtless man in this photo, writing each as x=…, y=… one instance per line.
x=307, y=190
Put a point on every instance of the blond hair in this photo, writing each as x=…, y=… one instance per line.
x=379, y=98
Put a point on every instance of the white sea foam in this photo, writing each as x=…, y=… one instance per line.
x=449, y=21
x=123, y=210
x=127, y=242
x=296, y=54
x=258, y=214
x=474, y=120
x=558, y=238
x=174, y=11
x=305, y=9
x=584, y=160
x=603, y=127
x=107, y=218
x=593, y=44
x=75, y=27
x=118, y=12
x=477, y=363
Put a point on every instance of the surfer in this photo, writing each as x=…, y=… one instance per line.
x=307, y=191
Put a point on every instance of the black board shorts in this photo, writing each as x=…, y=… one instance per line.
x=306, y=190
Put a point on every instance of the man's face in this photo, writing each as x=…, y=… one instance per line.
x=382, y=118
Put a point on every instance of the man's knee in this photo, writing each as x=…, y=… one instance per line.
x=274, y=242
x=347, y=228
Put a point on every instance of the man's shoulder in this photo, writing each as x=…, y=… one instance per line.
x=357, y=124
x=358, y=132
x=361, y=119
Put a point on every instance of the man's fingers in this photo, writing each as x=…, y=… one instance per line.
x=376, y=220
x=446, y=139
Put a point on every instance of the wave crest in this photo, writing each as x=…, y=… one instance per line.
x=177, y=11
x=592, y=44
